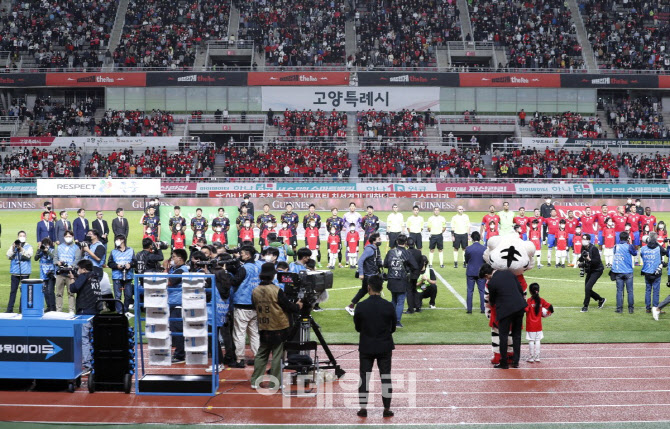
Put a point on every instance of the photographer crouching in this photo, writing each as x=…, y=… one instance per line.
x=590, y=265
x=274, y=326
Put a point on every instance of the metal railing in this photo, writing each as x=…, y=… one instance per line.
x=10, y=124
x=213, y=119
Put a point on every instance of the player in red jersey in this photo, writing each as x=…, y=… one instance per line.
x=523, y=221
x=589, y=223
x=576, y=246
x=609, y=241
x=334, y=243
x=535, y=237
x=552, y=228
x=561, y=244
x=602, y=221
x=486, y=221
x=619, y=221
x=634, y=220
x=648, y=219
x=570, y=224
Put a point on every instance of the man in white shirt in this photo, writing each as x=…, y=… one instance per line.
x=460, y=227
x=394, y=223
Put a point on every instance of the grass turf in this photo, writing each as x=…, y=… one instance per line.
x=448, y=324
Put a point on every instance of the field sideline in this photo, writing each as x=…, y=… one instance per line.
x=448, y=324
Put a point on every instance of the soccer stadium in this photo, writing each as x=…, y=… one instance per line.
x=335, y=213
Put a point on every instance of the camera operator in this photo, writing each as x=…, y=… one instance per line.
x=150, y=257
x=246, y=321
x=93, y=250
x=273, y=324
x=300, y=265
x=622, y=267
x=45, y=256
x=122, y=261
x=369, y=264
x=89, y=293
x=20, y=254
x=177, y=266
x=399, y=263
x=67, y=256
x=278, y=243
x=592, y=266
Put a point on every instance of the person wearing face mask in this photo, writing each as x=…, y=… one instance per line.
x=369, y=265
x=178, y=239
x=152, y=223
x=264, y=222
x=662, y=233
x=248, y=204
x=45, y=256
x=246, y=319
x=177, y=220
x=609, y=241
x=353, y=238
x=313, y=241
x=334, y=248
x=20, y=254
x=68, y=254
x=149, y=233
x=311, y=217
x=94, y=251
x=285, y=234
x=292, y=219
x=48, y=213
x=219, y=236
x=338, y=223
x=246, y=233
x=263, y=240
x=198, y=237
x=242, y=218
x=121, y=261
x=277, y=242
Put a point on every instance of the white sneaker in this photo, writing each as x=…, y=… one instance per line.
x=537, y=358
x=130, y=315
x=432, y=306
x=349, y=310
x=655, y=312
x=531, y=359
x=71, y=313
x=220, y=368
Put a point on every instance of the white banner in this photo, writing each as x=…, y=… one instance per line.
x=350, y=99
x=204, y=188
x=554, y=189
x=396, y=187
x=543, y=142
x=100, y=143
x=98, y=187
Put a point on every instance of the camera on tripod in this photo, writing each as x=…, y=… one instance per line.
x=305, y=286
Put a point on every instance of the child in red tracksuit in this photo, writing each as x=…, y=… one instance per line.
x=178, y=240
x=285, y=233
x=334, y=243
x=536, y=309
x=353, y=238
x=246, y=233
x=219, y=236
x=148, y=233
x=313, y=242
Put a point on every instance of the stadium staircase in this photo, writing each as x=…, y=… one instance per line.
x=350, y=38
x=602, y=115
x=219, y=162
x=582, y=36
x=466, y=24
x=353, y=145
x=119, y=22
x=233, y=21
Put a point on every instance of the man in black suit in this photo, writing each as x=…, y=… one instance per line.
x=474, y=259
x=506, y=294
x=62, y=225
x=120, y=224
x=375, y=319
x=100, y=225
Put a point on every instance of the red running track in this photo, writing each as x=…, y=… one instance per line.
x=580, y=383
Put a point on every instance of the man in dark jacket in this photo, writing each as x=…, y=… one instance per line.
x=368, y=265
x=506, y=294
x=414, y=297
x=474, y=258
x=593, y=268
x=399, y=263
x=375, y=319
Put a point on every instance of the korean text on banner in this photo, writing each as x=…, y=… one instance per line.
x=98, y=187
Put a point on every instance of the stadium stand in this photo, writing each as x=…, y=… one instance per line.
x=51, y=119
x=35, y=162
x=404, y=33
x=567, y=124
x=150, y=163
x=537, y=34
x=643, y=166
x=296, y=162
x=159, y=33
x=533, y=163
x=627, y=34
x=311, y=124
x=295, y=33
x=392, y=162
x=404, y=125
x=637, y=117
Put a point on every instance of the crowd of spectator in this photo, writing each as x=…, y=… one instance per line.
x=394, y=162
x=54, y=119
x=647, y=166
x=403, y=33
x=626, y=34
x=151, y=163
x=402, y=125
x=47, y=26
x=537, y=34
x=40, y=162
x=295, y=32
x=551, y=163
x=165, y=34
x=637, y=117
x=48, y=59
x=156, y=123
x=279, y=162
x=566, y=124
x=311, y=125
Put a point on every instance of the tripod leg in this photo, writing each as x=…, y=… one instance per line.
x=339, y=372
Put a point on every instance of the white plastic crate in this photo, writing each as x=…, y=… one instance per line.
x=156, y=298
x=196, y=358
x=161, y=357
x=189, y=282
x=159, y=343
x=155, y=283
x=157, y=315
x=195, y=328
x=157, y=330
x=193, y=300
x=194, y=314
x=195, y=344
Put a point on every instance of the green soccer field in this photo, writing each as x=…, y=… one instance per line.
x=448, y=323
